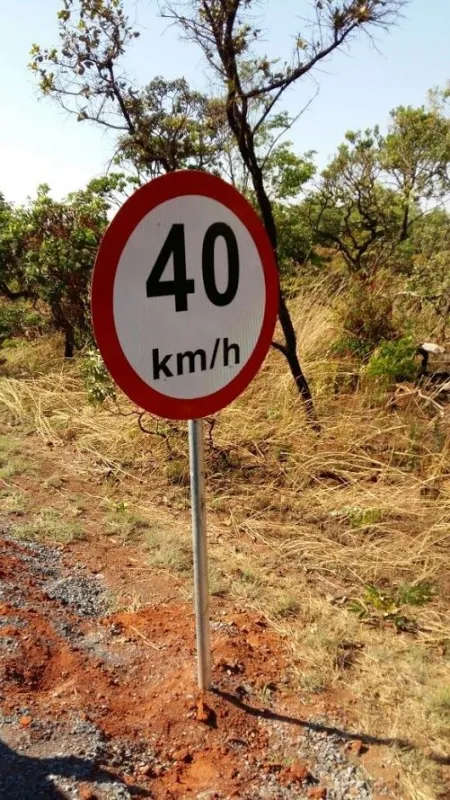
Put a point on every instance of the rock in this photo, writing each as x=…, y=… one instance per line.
x=318, y=793
x=183, y=755
x=25, y=721
x=299, y=771
x=87, y=794
x=357, y=747
x=204, y=713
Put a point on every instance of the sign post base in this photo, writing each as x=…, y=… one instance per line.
x=201, y=587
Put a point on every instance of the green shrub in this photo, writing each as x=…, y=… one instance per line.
x=393, y=361
x=367, y=321
x=18, y=319
x=361, y=517
x=379, y=605
x=98, y=383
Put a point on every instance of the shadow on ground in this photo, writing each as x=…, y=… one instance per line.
x=346, y=736
x=27, y=778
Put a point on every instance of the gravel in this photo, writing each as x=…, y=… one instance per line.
x=81, y=590
x=333, y=769
x=55, y=758
x=324, y=751
x=84, y=594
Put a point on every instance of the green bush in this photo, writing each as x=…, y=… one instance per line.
x=367, y=321
x=18, y=319
x=379, y=606
x=393, y=361
x=98, y=383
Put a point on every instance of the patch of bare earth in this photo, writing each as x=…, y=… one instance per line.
x=98, y=705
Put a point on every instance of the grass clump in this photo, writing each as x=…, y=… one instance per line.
x=12, y=460
x=169, y=550
x=439, y=708
x=360, y=517
x=49, y=525
x=12, y=501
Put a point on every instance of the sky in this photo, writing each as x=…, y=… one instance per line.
x=39, y=143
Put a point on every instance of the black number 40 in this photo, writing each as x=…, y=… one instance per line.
x=181, y=286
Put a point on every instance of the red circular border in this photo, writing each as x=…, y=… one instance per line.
x=167, y=187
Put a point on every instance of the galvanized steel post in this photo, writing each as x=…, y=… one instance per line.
x=201, y=583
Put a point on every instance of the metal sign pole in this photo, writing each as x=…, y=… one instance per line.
x=200, y=553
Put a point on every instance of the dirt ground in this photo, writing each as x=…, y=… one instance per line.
x=101, y=704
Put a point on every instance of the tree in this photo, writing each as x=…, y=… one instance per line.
x=174, y=128
x=377, y=188
x=371, y=199
x=353, y=210
x=86, y=78
x=430, y=276
x=416, y=158
x=12, y=246
x=161, y=127
x=62, y=241
x=254, y=86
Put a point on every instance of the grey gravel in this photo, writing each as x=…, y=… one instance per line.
x=324, y=751
x=81, y=590
x=85, y=595
x=333, y=769
x=52, y=764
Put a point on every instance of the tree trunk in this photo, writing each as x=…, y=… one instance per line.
x=69, y=343
x=405, y=224
x=290, y=336
x=240, y=127
x=291, y=356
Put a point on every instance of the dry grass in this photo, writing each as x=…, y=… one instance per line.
x=49, y=525
x=300, y=525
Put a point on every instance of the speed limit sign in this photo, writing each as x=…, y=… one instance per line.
x=184, y=295
x=184, y=304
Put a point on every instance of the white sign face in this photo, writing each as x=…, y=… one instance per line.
x=189, y=297
x=184, y=295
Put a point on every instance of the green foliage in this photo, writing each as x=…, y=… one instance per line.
x=430, y=274
x=361, y=517
x=367, y=320
x=49, y=248
x=97, y=380
x=377, y=606
x=376, y=189
x=173, y=127
x=19, y=319
x=12, y=247
x=393, y=361
x=416, y=152
x=162, y=126
x=354, y=211
x=418, y=594
x=64, y=239
x=285, y=172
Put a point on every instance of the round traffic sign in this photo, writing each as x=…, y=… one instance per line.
x=184, y=295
